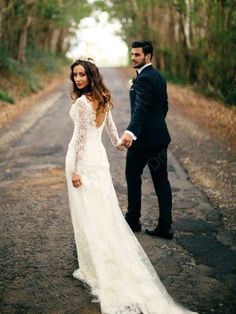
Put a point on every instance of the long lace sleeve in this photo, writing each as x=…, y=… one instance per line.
x=111, y=129
x=80, y=133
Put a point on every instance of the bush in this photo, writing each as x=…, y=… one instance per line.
x=44, y=62
x=5, y=96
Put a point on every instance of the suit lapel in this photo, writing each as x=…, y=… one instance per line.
x=132, y=89
x=149, y=67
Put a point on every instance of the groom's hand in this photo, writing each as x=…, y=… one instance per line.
x=126, y=140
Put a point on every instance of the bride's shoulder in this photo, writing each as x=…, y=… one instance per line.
x=80, y=101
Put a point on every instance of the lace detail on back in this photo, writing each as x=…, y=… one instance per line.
x=109, y=124
x=93, y=112
x=95, y=118
x=84, y=117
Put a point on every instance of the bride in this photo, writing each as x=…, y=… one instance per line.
x=111, y=260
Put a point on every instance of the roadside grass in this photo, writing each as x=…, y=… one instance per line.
x=22, y=79
x=5, y=96
x=216, y=117
x=21, y=84
x=23, y=98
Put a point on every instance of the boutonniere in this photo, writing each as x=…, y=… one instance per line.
x=131, y=81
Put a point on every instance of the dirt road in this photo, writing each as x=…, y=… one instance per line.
x=38, y=252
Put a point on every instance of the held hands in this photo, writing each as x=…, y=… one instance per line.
x=119, y=146
x=126, y=140
x=76, y=180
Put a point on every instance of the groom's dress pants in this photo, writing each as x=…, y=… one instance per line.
x=156, y=159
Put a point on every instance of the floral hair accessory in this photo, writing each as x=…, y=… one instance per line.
x=85, y=59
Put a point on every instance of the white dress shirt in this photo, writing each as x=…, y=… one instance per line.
x=139, y=71
x=143, y=67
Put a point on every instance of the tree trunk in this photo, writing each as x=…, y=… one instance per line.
x=62, y=45
x=54, y=39
x=187, y=23
x=23, y=40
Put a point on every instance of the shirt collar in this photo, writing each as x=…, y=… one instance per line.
x=143, y=67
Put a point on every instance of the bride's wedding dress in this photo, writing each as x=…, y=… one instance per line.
x=111, y=260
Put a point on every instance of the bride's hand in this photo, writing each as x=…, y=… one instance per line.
x=76, y=180
x=120, y=146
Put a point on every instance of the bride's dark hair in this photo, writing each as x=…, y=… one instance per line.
x=96, y=88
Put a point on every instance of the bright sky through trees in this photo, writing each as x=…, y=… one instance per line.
x=98, y=38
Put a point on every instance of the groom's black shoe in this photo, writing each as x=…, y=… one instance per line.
x=166, y=233
x=136, y=227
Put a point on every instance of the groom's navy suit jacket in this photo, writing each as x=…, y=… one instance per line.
x=149, y=106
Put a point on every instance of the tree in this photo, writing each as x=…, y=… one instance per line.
x=43, y=24
x=194, y=40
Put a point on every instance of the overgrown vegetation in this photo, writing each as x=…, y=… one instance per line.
x=6, y=97
x=194, y=39
x=34, y=38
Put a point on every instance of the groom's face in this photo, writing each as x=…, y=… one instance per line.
x=138, y=58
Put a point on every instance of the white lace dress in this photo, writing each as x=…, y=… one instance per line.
x=110, y=258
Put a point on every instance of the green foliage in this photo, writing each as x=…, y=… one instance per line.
x=35, y=36
x=45, y=25
x=38, y=62
x=194, y=40
x=174, y=79
x=5, y=96
x=45, y=62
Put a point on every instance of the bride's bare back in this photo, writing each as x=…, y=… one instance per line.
x=100, y=115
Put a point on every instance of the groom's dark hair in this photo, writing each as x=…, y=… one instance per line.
x=146, y=45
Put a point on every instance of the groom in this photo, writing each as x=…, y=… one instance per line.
x=147, y=139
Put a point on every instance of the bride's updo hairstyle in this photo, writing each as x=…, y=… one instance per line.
x=96, y=90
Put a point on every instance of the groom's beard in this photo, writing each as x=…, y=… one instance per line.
x=139, y=65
